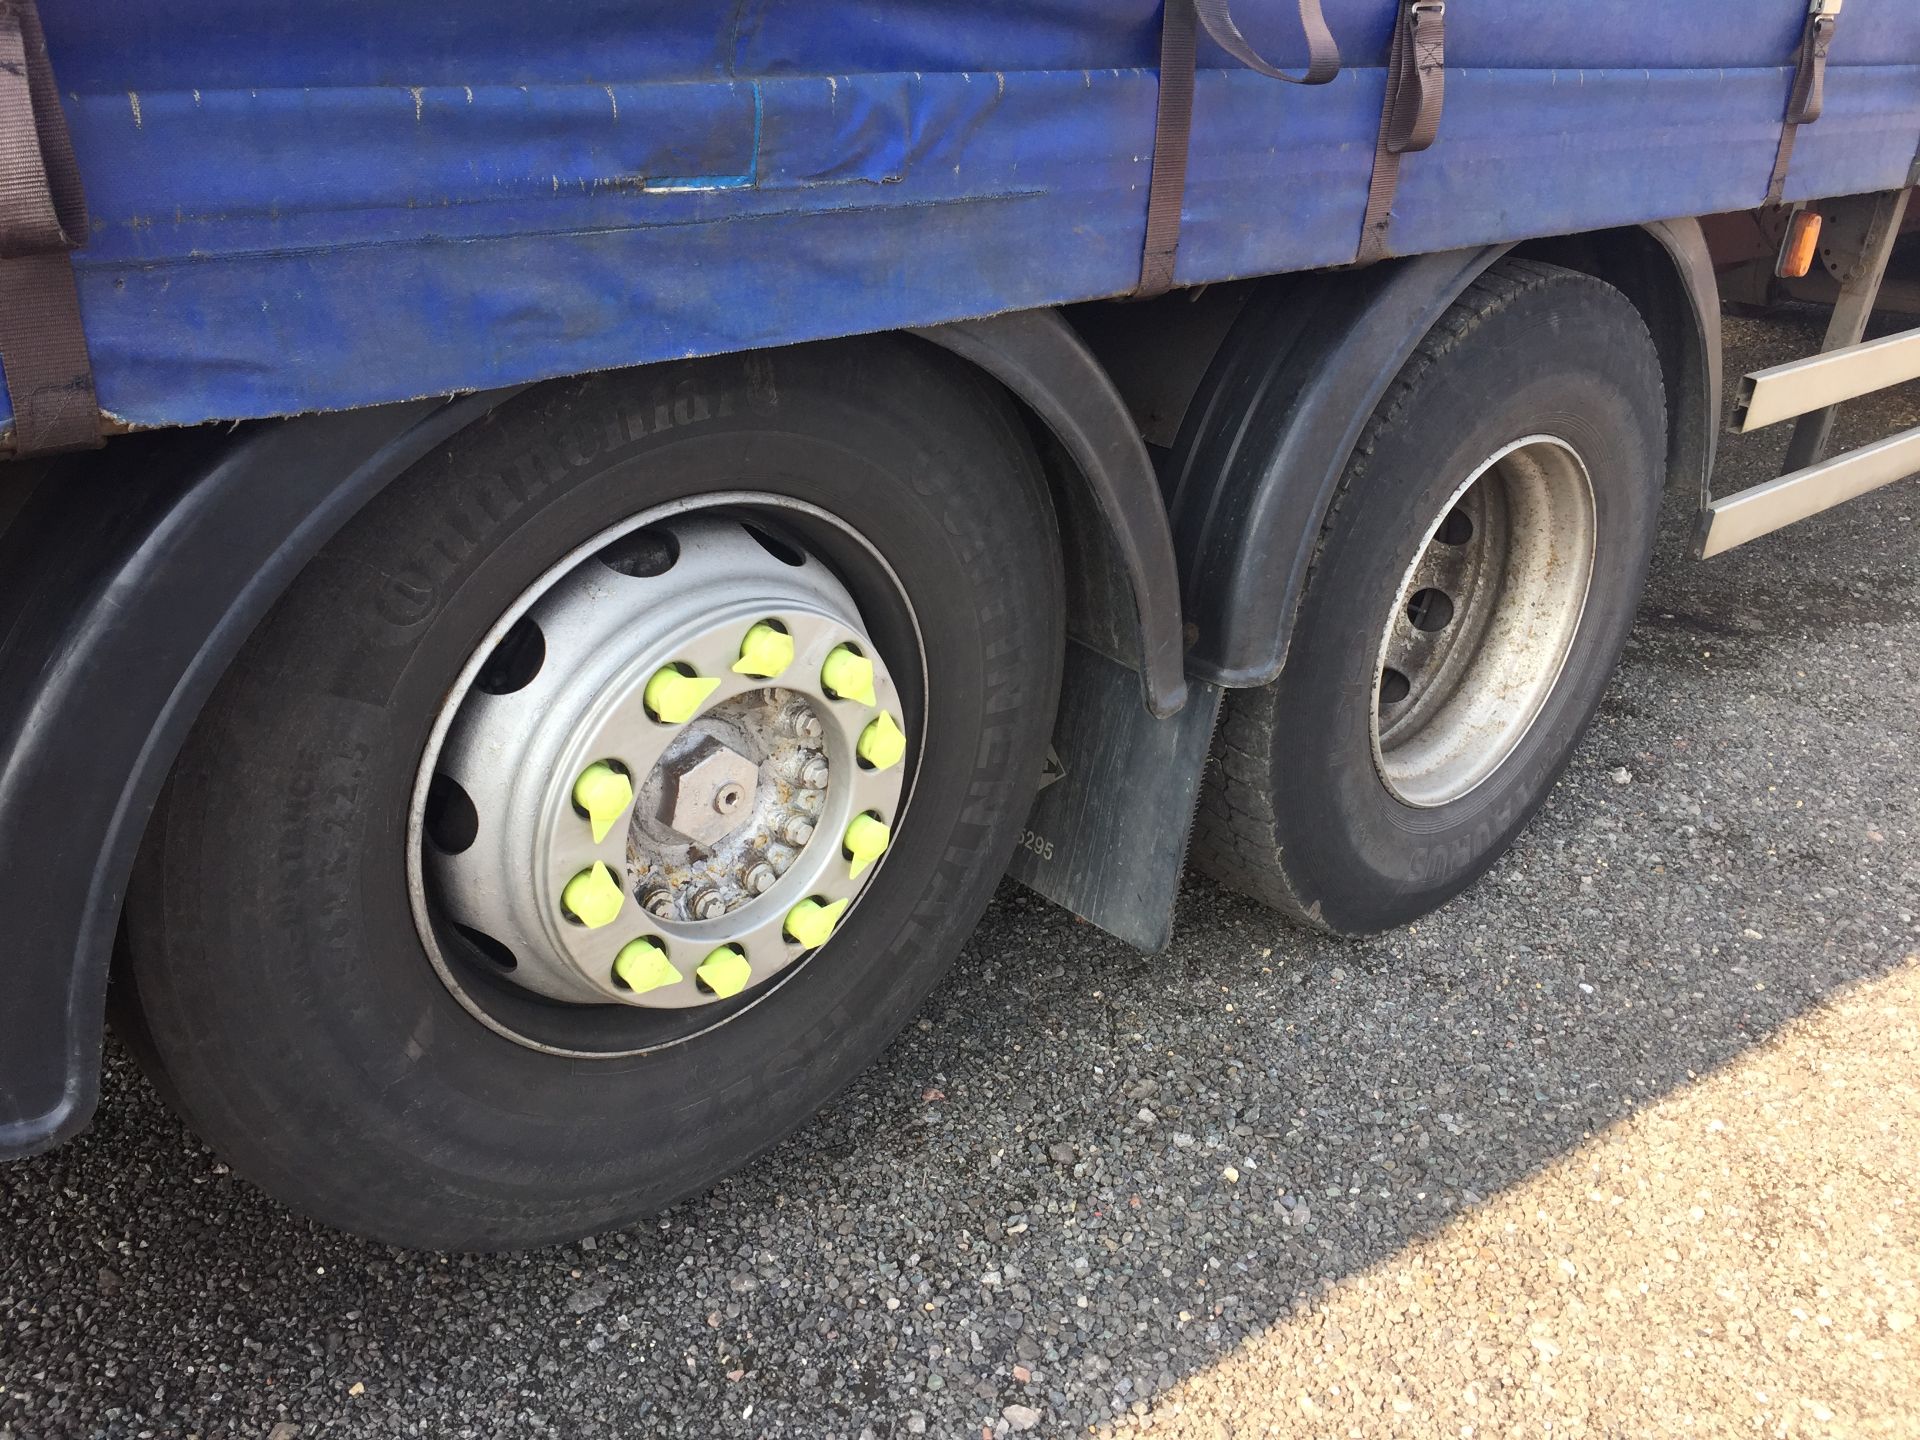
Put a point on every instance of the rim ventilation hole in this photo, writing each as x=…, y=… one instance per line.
x=1430, y=610
x=452, y=822
x=1456, y=529
x=771, y=543
x=1393, y=687
x=488, y=948
x=515, y=661
x=643, y=554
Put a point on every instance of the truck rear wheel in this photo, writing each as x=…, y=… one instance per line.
x=1475, y=581
x=606, y=795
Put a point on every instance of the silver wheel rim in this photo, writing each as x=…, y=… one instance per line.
x=778, y=829
x=1482, y=622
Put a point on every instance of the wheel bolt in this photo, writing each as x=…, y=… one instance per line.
x=848, y=675
x=815, y=772
x=603, y=793
x=765, y=652
x=593, y=897
x=674, y=695
x=660, y=902
x=807, y=801
x=760, y=878
x=644, y=966
x=866, y=841
x=796, y=830
x=797, y=719
x=882, y=743
x=811, y=923
x=709, y=905
x=725, y=971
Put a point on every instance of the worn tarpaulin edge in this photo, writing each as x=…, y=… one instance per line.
x=43, y=216
x=1173, y=112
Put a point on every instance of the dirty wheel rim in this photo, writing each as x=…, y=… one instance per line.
x=664, y=778
x=1482, y=622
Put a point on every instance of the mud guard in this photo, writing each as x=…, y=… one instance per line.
x=1107, y=837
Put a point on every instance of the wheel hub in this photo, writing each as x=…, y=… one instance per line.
x=730, y=805
x=674, y=765
x=1482, y=622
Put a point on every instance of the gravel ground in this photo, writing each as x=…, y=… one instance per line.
x=1621, y=1143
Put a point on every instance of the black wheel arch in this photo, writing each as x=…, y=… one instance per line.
x=1311, y=355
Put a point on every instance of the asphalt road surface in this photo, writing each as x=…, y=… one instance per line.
x=1622, y=1143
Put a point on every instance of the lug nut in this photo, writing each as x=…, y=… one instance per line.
x=660, y=902
x=725, y=971
x=882, y=743
x=796, y=830
x=593, y=897
x=642, y=966
x=765, y=652
x=709, y=905
x=848, y=675
x=674, y=695
x=760, y=878
x=815, y=772
x=866, y=841
x=811, y=923
x=807, y=802
x=602, y=792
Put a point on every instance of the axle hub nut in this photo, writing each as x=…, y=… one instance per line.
x=709, y=792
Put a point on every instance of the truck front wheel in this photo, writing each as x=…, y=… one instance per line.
x=1475, y=581
x=606, y=794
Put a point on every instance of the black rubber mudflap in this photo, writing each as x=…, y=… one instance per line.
x=1108, y=834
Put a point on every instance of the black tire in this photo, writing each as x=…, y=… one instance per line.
x=1294, y=811
x=279, y=978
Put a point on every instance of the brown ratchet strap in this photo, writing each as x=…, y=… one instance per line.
x=43, y=216
x=1809, y=93
x=1409, y=115
x=1173, y=117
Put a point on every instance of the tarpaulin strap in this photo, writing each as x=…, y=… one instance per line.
x=1809, y=93
x=1173, y=118
x=43, y=215
x=1409, y=115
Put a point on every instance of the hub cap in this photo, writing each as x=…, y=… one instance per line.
x=666, y=776
x=1482, y=622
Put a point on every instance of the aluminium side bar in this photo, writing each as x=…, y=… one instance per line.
x=1762, y=509
x=1823, y=380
